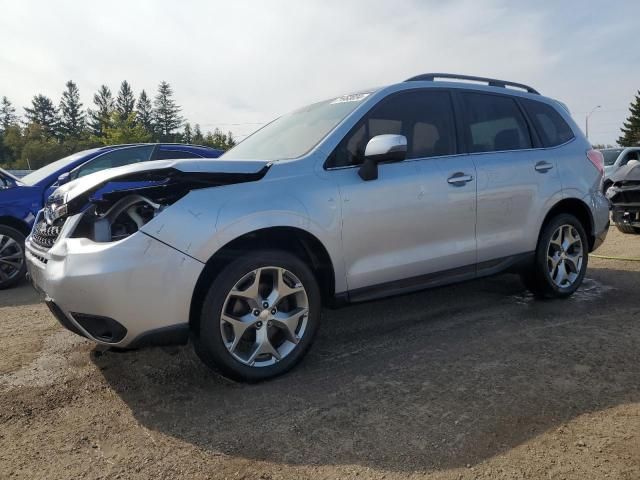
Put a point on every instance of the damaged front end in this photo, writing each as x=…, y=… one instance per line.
x=115, y=206
x=624, y=196
x=89, y=256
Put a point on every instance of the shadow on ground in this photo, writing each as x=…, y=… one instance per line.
x=432, y=380
x=20, y=295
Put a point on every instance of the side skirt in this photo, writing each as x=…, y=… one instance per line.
x=513, y=263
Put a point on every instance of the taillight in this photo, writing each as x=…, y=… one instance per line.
x=595, y=157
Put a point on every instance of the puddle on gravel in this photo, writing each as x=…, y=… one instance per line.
x=589, y=290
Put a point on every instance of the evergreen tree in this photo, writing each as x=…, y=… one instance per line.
x=166, y=113
x=198, y=138
x=220, y=140
x=128, y=130
x=72, y=121
x=631, y=130
x=8, y=115
x=231, y=141
x=144, y=112
x=125, y=102
x=99, y=119
x=187, y=136
x=43, y=113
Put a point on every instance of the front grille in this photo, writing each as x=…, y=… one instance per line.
x=45, y=235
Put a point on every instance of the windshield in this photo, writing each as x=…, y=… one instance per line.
x=296, y=133
x=47, y=170
x=611, y=155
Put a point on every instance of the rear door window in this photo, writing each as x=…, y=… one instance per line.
x=551, y=127
x=494, y=123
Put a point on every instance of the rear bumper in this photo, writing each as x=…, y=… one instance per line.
x=126, y=294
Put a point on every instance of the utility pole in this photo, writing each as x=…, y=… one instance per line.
x=586, y=120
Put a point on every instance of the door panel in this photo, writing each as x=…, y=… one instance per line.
x=409, y=222
x=511, y=193
x=515, y=180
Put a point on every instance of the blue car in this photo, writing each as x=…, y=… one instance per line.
x=21, y=199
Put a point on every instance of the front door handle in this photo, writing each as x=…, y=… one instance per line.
x=543, y=167
x=459, y=179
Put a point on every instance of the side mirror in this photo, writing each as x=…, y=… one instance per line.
x=64, y=178
x=382, y=148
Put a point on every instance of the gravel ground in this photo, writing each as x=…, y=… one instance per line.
x=471, y=381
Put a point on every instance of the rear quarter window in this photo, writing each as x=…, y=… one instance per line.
x=551, y=127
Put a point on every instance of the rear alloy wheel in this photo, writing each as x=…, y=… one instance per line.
x=561, y=259
x=259, y=317
x=12, y=261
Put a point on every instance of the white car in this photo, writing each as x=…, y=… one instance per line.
x=616, y=158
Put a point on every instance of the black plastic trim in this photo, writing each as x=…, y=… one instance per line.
x=104, y=329
x=62, y=318
x=492, y=82
x=438, y=279
x=171, y=335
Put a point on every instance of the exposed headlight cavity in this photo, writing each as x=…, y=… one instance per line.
x=124, y=218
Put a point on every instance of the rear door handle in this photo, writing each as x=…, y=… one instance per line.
x=543, y=167
x=458, y=179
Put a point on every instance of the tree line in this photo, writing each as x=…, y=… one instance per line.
x=48, y=132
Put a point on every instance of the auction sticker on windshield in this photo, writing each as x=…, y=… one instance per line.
x=354, y=97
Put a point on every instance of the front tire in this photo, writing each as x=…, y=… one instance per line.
x=259, y=317
x=560, y=260
x=13, y=266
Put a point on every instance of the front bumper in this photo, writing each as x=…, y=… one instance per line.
x=124, y=294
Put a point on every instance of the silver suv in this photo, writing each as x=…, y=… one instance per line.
x=377, y=193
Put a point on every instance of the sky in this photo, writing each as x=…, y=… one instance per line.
x=238, y=64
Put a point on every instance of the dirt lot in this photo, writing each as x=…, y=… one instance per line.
x=472, y=381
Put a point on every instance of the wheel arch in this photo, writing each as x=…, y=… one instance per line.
x=578, y=209
x=294, y=240
x=16, y=224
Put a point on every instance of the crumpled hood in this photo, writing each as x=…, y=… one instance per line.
x=213, y=172
x=628, y=173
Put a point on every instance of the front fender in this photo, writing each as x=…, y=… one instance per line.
x=206, y=220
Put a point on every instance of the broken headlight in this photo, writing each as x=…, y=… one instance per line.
x=122, y=219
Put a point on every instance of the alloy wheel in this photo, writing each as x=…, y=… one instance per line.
x=564, y=256
x=264, y=316
x=11, y=258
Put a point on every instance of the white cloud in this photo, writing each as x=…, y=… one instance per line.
x=248, y=61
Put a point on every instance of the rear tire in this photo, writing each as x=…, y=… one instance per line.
x=13, y=266
x=560, y=260
x=628, y=229
x=259, y=317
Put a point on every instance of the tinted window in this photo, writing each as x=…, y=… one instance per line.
x=425, y=118
x=116, y=158
x=551, y=127
x=633, y=155
x=494, y=123
x=611, y=155
x=171, y=154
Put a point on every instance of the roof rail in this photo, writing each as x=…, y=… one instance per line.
x=492, y=82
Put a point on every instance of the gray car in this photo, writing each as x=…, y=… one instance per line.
x=366, y=195
x=615, y=159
